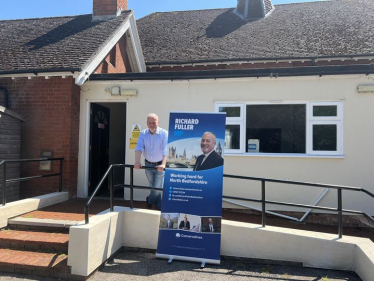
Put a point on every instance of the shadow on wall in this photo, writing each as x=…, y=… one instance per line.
x=224, y=24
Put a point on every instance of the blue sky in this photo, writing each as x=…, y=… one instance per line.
x=20, y=9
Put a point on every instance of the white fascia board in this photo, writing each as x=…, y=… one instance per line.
x=39, y=74
x=94, y=63
x=280, y=60
x=223, y=80
x=136, y=45
x=52, y=74
x=130, y=25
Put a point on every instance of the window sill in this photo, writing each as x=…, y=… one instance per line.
x=284, y=155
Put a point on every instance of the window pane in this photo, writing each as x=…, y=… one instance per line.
x=277, y=128
x=325, y=137
x=232, y=137
x=325, y=110
x=230, y=111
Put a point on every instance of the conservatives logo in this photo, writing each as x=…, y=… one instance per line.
x=178, y=235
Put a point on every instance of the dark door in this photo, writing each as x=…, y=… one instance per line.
x=99, y=147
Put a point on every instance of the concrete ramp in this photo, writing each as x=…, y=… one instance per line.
x=92, y=244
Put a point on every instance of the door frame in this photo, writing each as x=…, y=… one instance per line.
x=82, y=188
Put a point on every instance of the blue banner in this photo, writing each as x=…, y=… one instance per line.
x=190, y=222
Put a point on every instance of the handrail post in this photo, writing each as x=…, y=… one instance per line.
x=4, y=183
x=111, y=189
x=60, y=184
x=340, y=213
x=263, y=203
x=132, y=187
x=86, y=216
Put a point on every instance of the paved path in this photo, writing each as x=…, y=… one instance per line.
x=142, y=265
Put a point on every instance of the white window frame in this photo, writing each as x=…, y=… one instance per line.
x=325, y=120
x=235, y=121
x=310, y=121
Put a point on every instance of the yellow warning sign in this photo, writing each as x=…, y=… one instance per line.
x=135, y=135
x=133, y=142
x=136, y=129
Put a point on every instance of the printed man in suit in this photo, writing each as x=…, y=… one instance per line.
x=184, y=224
x=210, y=227
x=169, y=223
x=209, y=159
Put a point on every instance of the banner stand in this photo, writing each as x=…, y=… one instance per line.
x=191, y=213
x=190, y=259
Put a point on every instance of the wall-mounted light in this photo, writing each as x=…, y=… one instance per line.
x=365, y=88
x=125, y=92
x=117, y=91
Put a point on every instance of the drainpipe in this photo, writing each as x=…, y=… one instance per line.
x=6, y=94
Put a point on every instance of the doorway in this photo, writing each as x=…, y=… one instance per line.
x=107, y=145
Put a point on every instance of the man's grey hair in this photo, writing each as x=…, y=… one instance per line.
x=214, y=136
x=154, y=115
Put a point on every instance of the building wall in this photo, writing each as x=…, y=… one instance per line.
x=51, y=109
x=117, y=61
x=355, y=168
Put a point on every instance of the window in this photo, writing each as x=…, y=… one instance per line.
x=276, y=128
x=234, y=126
x=325, y=128
x=309, y=128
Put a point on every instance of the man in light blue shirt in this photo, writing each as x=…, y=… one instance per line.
x=152, y=143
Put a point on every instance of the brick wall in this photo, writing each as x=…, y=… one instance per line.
x=117, y=60
x=51, y=109
x=108, y=7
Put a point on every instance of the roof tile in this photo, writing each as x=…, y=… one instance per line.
x=314, y=29
x=53, y=43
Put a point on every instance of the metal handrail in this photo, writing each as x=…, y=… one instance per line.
x=110, y=169
x=263, y=200
x=5, y=181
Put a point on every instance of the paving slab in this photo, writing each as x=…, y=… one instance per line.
x=142, y=265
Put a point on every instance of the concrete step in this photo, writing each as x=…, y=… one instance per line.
x=52, y=225
x=34, y=263
x=34, y=240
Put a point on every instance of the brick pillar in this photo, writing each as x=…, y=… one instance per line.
x=105, y=9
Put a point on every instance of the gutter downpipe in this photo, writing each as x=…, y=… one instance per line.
x=6, y=96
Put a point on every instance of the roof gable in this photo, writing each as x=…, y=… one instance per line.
x=58, y=44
